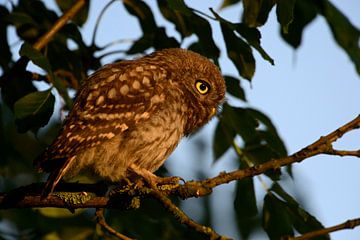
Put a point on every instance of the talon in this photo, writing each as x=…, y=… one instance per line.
x=154, y=180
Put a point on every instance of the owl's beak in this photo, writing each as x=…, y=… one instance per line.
x=213, y=112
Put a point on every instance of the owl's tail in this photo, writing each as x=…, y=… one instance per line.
x=55, y=176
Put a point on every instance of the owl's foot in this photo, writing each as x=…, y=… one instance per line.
x=153, y=180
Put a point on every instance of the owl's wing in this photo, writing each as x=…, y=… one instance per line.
x=112, y=101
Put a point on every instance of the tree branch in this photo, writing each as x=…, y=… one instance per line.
x=45, y=39
x=101, y=221
x=29, y=196
x=349, y=224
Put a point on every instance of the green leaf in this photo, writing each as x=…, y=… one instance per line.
x=228, y=3
x=233, y=87
x=35, y=56
x=223, y=139
x=34, y=110
x=271, y=135
x=4, y=45
x=276, y=221
x=180, y=6
x=345, y=33
x=203, y=30
x=305, y=12
x=153, y=36
x=302, y=221
x=245, y=206
x=253, y=36
x=256, y=12
x=239, y=120
x=285, y=13
x=239, y=52
x=181, y=22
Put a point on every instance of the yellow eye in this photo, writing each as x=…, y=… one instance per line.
x=202, y=87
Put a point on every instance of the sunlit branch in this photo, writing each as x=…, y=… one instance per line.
x=46, y=38
x=349, y=224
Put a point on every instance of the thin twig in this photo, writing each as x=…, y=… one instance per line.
x=342, y=153
x=98, y=21
x=183, y=218
x=349, y=224
x=101, y=221
x=45, y=39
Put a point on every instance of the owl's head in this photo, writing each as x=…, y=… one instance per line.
x=200, y=82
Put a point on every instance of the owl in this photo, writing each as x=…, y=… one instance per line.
x=129, y=116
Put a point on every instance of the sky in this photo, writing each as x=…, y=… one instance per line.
x=308, y=93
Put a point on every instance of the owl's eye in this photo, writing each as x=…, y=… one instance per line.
x=202, y=87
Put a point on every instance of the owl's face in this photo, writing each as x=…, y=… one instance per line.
x=200, y=81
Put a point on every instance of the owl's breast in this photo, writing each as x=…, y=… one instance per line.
x=147, y=144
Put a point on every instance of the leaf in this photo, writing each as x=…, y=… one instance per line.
x=4, y=45
x=34, y=110
x=305, y=12
x=256, y=12
x=143, y=13
x=35, y=56
x=345, y=33
x=302, y=221
x=153, y=36
x=181, y=22
x=233, y=87
x=81, y=17
x=202, y=29
x=271, y=135
x=245, y=206
x=276, y=221
x=239, y=120
x=228, y=3
x=239, y=52
x=285, y=13
x=223, y=139
x=252, y=35
x=180, y=6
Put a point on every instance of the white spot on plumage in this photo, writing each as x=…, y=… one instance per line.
x=100, y=100
x=122, y=77
x=136, y=85
x=111, y=78
x=146, y=80
x=124, y=89
x=112, y=93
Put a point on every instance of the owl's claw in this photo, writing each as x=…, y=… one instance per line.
x=153, y=180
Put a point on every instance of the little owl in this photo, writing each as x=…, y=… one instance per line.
x=129, y=116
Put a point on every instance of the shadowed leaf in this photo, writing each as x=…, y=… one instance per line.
x=233, y=87
x=223, y=139
x=34, y=110
x=256, y=12
x=285, y=13
x=345, y=33
x=245, y=206
x=305, y=12
x=239, y=52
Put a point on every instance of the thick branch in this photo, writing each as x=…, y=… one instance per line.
x=349, y=224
